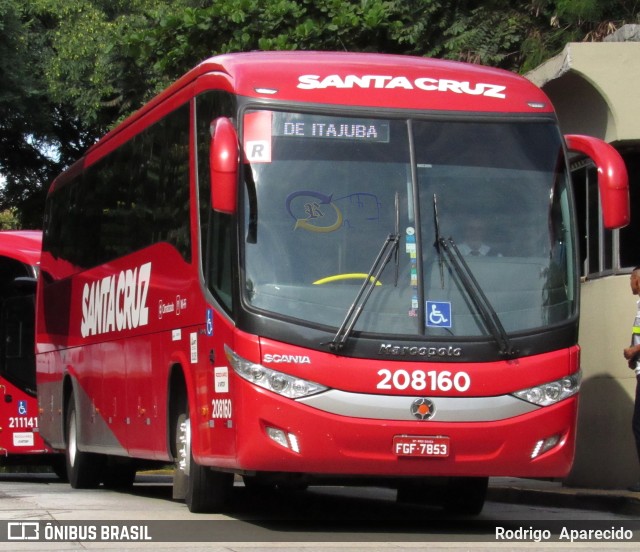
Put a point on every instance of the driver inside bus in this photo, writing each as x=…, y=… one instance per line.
x=475, y=240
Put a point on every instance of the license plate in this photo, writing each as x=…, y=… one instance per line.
x=421, y=446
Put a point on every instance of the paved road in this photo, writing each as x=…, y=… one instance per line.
x=319, y=519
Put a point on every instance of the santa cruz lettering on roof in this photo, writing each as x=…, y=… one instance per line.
x=429, y=84
x=117, y=302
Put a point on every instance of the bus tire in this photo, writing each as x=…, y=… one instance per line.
x=84, y=469
x=465, y=495
x=205, y=490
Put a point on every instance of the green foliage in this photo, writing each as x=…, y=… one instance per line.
x=26, y=121
x=486, y=37
x=9, y=220
x=180, y=39
x=577, y=10
x=86, y=68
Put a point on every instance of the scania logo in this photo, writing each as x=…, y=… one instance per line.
x=423, y=409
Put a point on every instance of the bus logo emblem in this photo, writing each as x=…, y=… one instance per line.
x=423, y=409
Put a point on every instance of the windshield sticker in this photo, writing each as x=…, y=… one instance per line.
x=257, y=137
x=438, y=314
x=410, y=246
x=410, y=249
x=318, y=212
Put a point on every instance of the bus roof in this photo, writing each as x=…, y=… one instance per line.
x=365, y=80
x=22, y=245
x=376, y=80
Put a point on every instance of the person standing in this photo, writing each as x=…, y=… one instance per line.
x=632, y=354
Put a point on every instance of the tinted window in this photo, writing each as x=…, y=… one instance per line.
x=134, y=197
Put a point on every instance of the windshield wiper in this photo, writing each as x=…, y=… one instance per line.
x=389, y=247
x=477, y=295
x=436, y=223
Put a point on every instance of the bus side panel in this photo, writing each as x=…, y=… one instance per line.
x=217, y=400
x=120, y=395
x=120, y=326
x=19, y=431
x=50, y=398
x=109, y=359
x=94, y=399
x=85, y=364
x=146, y=374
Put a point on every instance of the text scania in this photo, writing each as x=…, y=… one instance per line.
x=117, y=302
x=311, y=82
x=291, y=359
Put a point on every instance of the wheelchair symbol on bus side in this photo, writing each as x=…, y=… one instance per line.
x=438, y=314
x=22, y=408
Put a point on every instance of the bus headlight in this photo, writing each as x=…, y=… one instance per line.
x=278, y=382
x=553, y=392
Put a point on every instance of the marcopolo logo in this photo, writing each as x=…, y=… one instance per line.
x=117, y=302
x=429, y=352
x=427, y=84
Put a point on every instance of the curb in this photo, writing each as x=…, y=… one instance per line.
x=615, y=502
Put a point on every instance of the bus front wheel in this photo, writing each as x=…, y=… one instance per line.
x=203, y=490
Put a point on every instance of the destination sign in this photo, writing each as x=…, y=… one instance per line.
x=297, y=125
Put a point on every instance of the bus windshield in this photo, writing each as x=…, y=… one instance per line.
x=323, y=193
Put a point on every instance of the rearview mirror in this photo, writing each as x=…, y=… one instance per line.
x=223, y=163
x=613, y=180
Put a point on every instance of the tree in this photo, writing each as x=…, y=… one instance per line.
x=8, y=220
x=23, y=120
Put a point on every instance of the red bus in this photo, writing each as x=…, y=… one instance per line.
x=303, y=268
x=20, y=441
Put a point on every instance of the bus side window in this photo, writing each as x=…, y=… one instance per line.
x=219, y=273
x=17, y=311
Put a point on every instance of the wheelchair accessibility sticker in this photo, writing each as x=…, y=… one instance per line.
x=438, y=314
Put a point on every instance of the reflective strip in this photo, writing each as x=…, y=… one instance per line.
x=635, y=330
x=391, y=407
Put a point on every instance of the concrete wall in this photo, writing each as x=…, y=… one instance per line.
x=594, y=88
x=605, y=452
